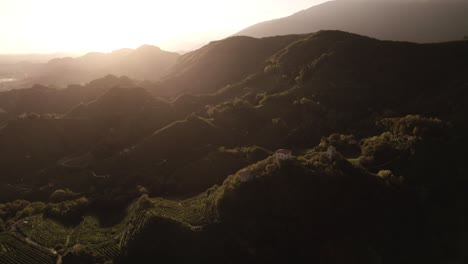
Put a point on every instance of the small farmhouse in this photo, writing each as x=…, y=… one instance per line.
x=283, y=154
x=331, y=153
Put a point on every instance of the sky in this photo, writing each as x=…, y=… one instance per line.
x=48, y=26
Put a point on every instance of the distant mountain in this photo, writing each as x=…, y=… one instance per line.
x=31, y=58
x=411, y=20
x=145, y=63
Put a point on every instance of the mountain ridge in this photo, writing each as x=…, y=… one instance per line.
x=413, y=21
x=146, y=62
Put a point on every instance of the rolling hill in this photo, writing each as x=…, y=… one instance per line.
x=377, y=130
x=42, y=99
x=314, y=206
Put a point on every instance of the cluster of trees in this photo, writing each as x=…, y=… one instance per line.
x=70, y=212
x=144, y=202
x=347, y=145
x=18, y=209
x=237, y=113
x=415, y=126
x=403, y=133
x=9, y=210
x=65, y=205
x=379, y=150
x=390, y=178
x=63, y=195
x=69, y=207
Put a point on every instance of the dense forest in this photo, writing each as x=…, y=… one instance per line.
x=186, y=169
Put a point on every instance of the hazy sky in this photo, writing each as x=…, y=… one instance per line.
x=42, y=26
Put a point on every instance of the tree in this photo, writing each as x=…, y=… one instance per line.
x=144, y=202
x=62, y=195
x=32, y=209
x=9, y=210
x=67, y=211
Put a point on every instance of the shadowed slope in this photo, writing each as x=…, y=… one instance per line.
x=219, y=63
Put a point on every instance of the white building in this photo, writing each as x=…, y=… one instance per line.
x=331, y=153
x=283, y=154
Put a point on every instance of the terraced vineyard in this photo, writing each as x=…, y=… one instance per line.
x=14, y=250
x=45, y=232
x=90, y=231
x=196, y=211
x=50, y=233
x=35, y=237
x=136, y=224
x=110, y=250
